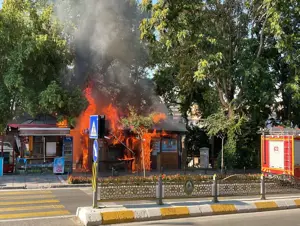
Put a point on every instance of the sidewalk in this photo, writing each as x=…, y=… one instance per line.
x=32, y=181
x=148, y=212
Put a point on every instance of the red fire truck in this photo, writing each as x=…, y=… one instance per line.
x=280, y=152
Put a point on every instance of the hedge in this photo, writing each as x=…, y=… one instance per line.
x=166, y=178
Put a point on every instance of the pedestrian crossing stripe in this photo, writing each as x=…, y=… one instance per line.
x=4, y=193
x=93, y=131
x=23, y=208
x=34, y=214
x=30, y=204
x=27, y=197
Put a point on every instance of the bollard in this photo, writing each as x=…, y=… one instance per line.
x=262, y=187
x=215, y=189
x=160, y=190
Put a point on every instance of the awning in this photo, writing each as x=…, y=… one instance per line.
x=44, y=131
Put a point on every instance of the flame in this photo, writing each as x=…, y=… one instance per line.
x=80, y=133
x=140, y=146
x=116, y=130
x=157, y=117
x=62, y=124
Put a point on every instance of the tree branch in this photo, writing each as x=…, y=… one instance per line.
x=262, y=37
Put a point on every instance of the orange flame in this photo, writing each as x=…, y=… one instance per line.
x=62, y=124
x=142, y=149
x=112, y=116
x=157, y=117
x=80, y=133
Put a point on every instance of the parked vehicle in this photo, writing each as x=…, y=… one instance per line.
x=280, y=153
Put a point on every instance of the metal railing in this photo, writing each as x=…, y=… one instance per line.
x=215, y=188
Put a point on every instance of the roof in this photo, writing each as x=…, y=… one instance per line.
x=40, y=121
x=169, y=125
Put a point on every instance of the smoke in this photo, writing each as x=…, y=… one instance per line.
x=104, y=36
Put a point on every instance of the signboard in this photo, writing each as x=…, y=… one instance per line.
x=59, y=165
x=189, y=187
x=1, y=166
x=95, y=150
x=155, y=146
x=276, y=151
x=94, y=126
x=169, y=145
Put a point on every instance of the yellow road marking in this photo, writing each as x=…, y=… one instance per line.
x=122, y=216
x=266, y=205
x=36, y=214
x=170, y=212
x=29, y=202
x=11, y=209
x=28, y=197
x=24, y=192
x=297, y=202
x=223, y=208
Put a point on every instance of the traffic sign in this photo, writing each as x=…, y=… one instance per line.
x=95, y=150
x=94, y=126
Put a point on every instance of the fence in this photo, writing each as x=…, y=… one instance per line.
x=194, y=189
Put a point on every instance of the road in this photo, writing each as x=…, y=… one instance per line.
x=35, y=204
x=274, y=218
x=31, y=207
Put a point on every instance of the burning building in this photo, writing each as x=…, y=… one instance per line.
x=110, y=65
x=160, y=145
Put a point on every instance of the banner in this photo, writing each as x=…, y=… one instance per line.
x=1, y=166
x=59, y=165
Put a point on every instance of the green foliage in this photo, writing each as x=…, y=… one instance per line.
x=166, y=178
x=195, y=139
x=33, y=60
x=140, y=124
x=237, y=55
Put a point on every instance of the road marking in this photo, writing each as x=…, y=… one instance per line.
x=34, y=214
x=121, y=216
x=266, y=205
x=28, y=197
x=11, y=209
x=170, y=212
x=38, y=218
x=223, y=208
x=24, y=192
x=29, y=202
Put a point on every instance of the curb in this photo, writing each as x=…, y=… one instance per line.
x=89, y=216
x=11, y=188
x=46, y=187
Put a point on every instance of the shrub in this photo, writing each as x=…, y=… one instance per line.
x=166, y=178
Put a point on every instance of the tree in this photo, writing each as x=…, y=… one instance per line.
x=141, y=125
x=225, y=50
x=33, y=61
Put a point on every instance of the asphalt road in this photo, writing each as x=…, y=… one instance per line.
x=274, y=218
x=31, y=207
x=16, y=205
